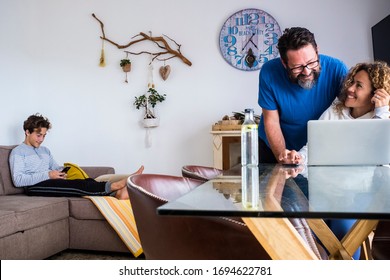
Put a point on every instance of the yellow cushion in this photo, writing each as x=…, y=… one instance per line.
x=75, y=172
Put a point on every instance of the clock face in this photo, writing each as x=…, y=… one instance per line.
x=249, y=38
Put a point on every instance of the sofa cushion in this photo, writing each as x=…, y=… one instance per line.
x=84, y=209
x=34, y=211
x=95, y=171
x=6, y=185
x=12, y=247
x=75, y=172
x=7, y=222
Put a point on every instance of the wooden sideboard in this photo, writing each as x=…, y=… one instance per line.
x=226, y=147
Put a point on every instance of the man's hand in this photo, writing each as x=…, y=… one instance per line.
x=290, y=157
x=55, y=174
x=292, y=172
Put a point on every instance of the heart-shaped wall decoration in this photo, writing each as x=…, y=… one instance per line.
x=165, y=71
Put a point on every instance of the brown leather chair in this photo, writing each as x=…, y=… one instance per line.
x=381, y=241
x=203, y=173
x=182, y=237
x=206, y=173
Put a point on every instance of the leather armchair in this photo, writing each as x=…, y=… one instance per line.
x=203, y=173
x=381, y=241
x=181, y=237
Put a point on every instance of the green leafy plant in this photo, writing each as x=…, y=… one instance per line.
x=124, y=62
x=148, y=102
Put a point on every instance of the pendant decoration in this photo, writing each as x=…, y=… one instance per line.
x=150, y=75
x=165, y=71
x=102, y=62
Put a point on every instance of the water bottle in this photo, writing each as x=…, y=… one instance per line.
x=249, y=140
x=249, y=162
x=250, y=186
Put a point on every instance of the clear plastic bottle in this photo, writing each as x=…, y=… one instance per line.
x=249, y=162
x=250, y=186
x=249, y=140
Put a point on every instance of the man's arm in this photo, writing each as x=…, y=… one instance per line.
x=273, y=131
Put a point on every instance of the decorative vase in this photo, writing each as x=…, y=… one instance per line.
x=126, y=68
x=151, y=122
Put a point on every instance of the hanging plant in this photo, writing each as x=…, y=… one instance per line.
x=125, y=64
x=148, y=101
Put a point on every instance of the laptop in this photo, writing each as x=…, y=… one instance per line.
x=349, y=142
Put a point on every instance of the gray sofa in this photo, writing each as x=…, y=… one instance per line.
x=39, y=227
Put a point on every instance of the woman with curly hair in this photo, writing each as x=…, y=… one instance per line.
x=365, y=95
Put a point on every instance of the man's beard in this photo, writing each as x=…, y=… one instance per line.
x=306, y=84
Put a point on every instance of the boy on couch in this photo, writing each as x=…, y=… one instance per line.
x=34, y=168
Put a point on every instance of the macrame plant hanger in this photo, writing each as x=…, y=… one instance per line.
x=126, y=81
x=148, y=135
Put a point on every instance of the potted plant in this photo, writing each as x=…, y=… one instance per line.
x=148, y=101
x=125, y=64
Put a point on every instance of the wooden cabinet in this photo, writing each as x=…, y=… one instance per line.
x=226, y=148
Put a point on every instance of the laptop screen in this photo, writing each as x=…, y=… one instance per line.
x=349, y=142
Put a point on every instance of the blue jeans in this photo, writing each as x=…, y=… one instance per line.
x=340, y=228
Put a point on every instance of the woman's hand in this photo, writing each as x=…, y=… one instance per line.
x=381, y=98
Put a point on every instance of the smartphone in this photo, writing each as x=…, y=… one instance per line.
x=66, y=169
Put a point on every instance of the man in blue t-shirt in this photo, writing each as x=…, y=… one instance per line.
x=293, y=89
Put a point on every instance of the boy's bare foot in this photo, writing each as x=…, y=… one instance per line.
x=119, y=185
x=122, y=194
x=139, y=171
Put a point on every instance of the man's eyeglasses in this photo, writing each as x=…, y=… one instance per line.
x=299, y=69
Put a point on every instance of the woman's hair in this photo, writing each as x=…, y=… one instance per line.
x=295, y=38
x=378, y=73
x=36, y=121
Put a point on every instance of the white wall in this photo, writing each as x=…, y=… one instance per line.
x=49, y=53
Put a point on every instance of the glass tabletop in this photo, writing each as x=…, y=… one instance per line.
x=361, y=192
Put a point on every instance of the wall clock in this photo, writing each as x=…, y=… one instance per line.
x=249, y=38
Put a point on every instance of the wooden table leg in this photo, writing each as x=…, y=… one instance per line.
x=280, y=239
x=358, y=234
x=345, y=248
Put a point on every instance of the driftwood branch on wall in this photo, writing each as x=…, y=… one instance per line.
x=160, y=41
